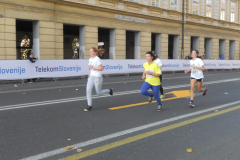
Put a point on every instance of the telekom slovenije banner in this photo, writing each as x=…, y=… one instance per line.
x=24, y=69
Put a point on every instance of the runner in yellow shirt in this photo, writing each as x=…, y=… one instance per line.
x=151, y=75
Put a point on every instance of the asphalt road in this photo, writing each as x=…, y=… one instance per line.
x=38, y=120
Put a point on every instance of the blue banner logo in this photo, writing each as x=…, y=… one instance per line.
x=18, y=70
x=57, y=69
x=135, y=66
x=170, y=65
x=108, y=67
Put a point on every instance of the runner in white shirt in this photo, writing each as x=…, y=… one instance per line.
x=197, y=67
x=95, y=78
x=159, y=63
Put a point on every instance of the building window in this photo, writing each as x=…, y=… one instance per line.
x=195, y=7
x=223, y=8
x=209, y=8
x=135, y=1
x=156, y=3
x=174, y=5
x=233, y=5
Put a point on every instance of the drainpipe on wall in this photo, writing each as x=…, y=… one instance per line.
x=183, y=21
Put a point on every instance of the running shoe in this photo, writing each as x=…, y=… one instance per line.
x=191, y=104
x=150, y=99
x=89, y=108
x=159, y=108
x=111, y=92
x=162, y=96
x=205, y=92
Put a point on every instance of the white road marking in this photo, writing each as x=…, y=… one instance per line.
x=2, y=108
x=132, y=130
x=83, y=85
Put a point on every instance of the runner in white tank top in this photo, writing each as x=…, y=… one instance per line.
x=197, y=67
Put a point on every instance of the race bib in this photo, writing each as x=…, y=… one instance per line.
x=151, y=71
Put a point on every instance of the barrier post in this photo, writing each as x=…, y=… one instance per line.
x=55, y=79
x=126, y=74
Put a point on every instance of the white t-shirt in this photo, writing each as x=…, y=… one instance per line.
x=95, y=62
x=197, y=73
x=159, y=63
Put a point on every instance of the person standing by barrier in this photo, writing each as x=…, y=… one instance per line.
x=151, y=75
x=222, y=56
x=197, y=67
x=33, y=60
x=95, y=78
x=159, y=63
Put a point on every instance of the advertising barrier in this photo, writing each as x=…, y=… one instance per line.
x=24, y=69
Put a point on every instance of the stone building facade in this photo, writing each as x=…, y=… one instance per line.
x=127, y=29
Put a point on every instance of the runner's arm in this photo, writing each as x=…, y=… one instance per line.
x=99, y=68
x=200, y=68
x=144, y=76
x=187, y=70
x=155, y=74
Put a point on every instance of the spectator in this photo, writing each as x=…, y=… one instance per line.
x=222, y=56
x=189, y=56
x=203, y=57
x=33, y=60
x=101, y=52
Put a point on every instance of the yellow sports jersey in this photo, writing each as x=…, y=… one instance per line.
x=153, y=68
